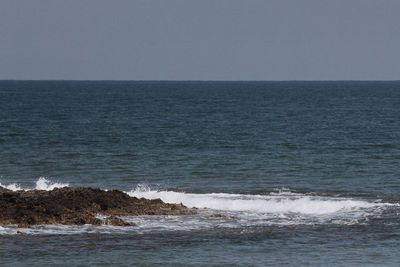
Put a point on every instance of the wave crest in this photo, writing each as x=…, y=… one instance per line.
x=282, y=202
x=41, y=184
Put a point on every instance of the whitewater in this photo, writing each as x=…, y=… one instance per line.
x=296, y=173
x=226, y=210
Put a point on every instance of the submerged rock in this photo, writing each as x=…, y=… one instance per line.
x=78, y=206
x=113, y=220
x=220, y=216
x=217, y=216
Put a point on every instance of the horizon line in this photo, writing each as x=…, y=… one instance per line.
x=173, y=80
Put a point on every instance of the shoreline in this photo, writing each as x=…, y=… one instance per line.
x=78, y=206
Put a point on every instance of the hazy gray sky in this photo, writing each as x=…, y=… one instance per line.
x=200, y=40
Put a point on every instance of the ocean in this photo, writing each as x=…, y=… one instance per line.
x=282, y=173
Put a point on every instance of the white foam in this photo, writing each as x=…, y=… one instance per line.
x=58, y=229
x=44, y=184
x=281, y=208
x=41, y=184
x=13, y=187
x=285, y=202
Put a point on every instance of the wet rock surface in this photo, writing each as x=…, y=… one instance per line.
x=78, y=206
x=220, y=216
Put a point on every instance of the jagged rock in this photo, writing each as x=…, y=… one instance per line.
x=77, y=206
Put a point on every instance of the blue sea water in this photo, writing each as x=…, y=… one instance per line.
x=302, y=173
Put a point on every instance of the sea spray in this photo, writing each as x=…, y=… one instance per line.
x=281, y=207
x=41, y=184
x=279, y=203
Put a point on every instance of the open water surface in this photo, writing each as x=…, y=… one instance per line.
x=283, y=173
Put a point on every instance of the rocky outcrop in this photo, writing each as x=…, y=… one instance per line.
x=78, y=206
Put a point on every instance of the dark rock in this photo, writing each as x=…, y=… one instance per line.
x=113, y=220
x=220, y=216
x=77, y=206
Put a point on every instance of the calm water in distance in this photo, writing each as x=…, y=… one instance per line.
x=309, y=171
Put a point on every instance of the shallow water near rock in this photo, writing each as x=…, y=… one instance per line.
x=282, y=173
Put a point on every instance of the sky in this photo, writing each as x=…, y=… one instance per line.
x=200, y=40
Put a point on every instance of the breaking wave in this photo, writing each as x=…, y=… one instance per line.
x=282, y=202
x=41, y=184
x=224, y=210
x=280, y=208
